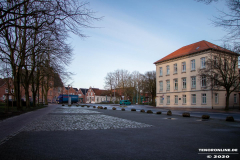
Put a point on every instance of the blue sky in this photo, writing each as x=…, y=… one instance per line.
x=133, y=34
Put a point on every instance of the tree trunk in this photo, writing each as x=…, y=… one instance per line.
x=227, y=101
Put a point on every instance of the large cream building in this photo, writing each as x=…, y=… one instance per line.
x=178, y=84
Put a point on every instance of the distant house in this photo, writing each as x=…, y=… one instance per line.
x=178, y=84
x=96, y=95
x=6, y=89
x=81, y=95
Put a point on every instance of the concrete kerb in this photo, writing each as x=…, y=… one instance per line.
x=175, y=114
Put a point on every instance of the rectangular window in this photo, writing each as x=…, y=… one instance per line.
x=193, y=65
x=184, y=99
x=160, y=71
x=193, y=98
x=161, y=99
x=183, y=66
x=203, y=81
x=235, y=98
x=215, y=61
x=184, y=83
x=175, y=84
x=168, y=85
x=168, y=70
x=203, y=62
x=176, y=99
x=215, y=80
x=161, y=85
x=6, y=90
x=168, y=99
x=175, y=68
x=204, y=98
x=193, y=82
x=79, y=95
x=216, y=98
x=12, y=90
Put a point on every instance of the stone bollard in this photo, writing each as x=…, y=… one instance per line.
x=63, y=105
x=133, y=109
x=149, y=111
x=230, y=119
x=169, y=113
x=142, y=110
x=123, y=109
x=105, y=107
x=159, y=112
x=186, y=114
x=205, y=116
x=114, y=108
x=94, y=106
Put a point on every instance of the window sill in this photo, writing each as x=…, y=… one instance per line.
x=167, y=74
x=174, y=73
x=160, y=76
x=175, y=89
x=184, y=89
x=204, y=104
x=175, y=103
x=193, y=70
x=168, y=104
x=193, y=103
x=184, y=103
x=183, y=71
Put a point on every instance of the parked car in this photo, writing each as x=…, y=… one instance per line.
x=125, y=102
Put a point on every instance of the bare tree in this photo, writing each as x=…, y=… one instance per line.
x=150, y=84
x=221, y=72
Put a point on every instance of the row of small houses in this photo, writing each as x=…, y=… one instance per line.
x=90, y=95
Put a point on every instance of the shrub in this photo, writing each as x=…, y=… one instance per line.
x=159, y=112
x=142, y=110
x=149, y=111
x=169, y=113
x=133, y=109
x=186, y=114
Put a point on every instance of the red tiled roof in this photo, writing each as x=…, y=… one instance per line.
x=192, y=48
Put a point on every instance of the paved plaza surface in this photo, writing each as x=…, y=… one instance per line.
x=62, y=132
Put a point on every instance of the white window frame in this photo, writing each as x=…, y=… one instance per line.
x=216, y=98
x=203, y=62
x=184, y=83
x=161, y=86
x=183, y=66
x=193, y=82
x=168, y=70
x=168, y=85
x=168, y=99
x=193, y=66
x=6, y=90
x=204, y=98
x=160, y=71
x=193, y=99
x=203, y=81
x=184, y=97
x=176, y=99
x=161, y=100
x=175, y=68
x=175, y=84
x=235, y=98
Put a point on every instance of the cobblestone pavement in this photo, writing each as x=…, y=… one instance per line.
x=89, y=133
x=82, y=119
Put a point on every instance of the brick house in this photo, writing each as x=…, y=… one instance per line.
x=82, y=95
x=6, y=89
x=96, y=95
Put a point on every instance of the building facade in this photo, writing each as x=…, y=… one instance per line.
x=178, y=83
